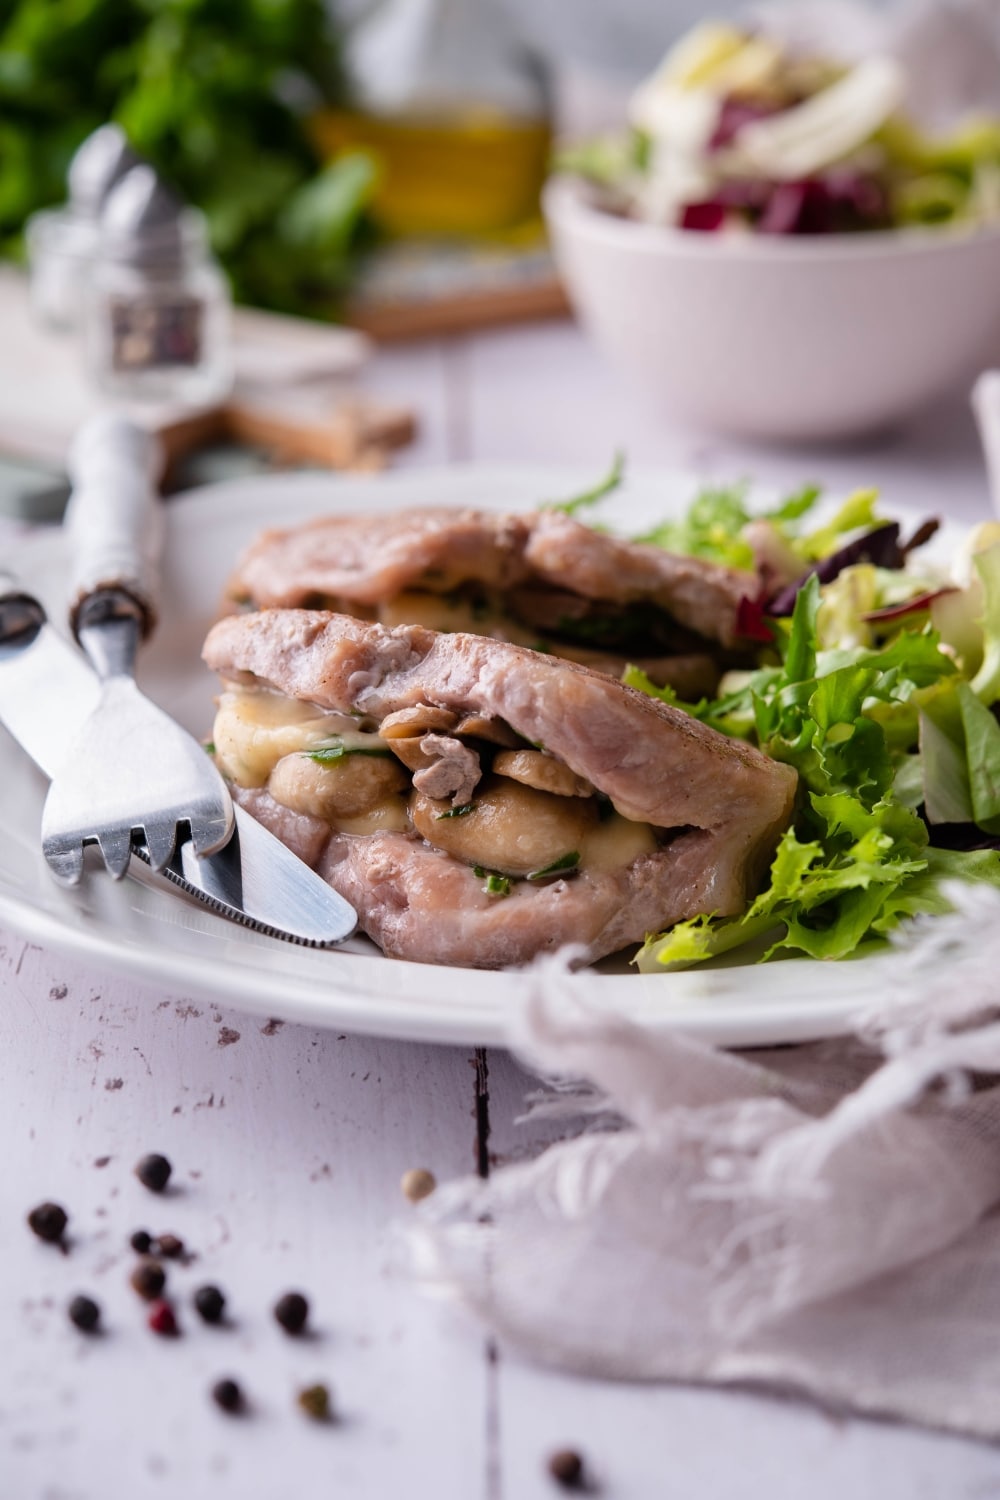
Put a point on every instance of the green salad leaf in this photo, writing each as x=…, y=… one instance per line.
x=856, y=514
x=873, y=707
x=986, y=683
x=711, y=528
x=868, y=732
x=960, y=752
x=714, y=524
x=897, y=176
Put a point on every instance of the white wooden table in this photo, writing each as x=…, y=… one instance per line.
x=288, y=1146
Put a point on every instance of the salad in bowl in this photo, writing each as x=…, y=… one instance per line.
x=736, y=130
x=774, y=249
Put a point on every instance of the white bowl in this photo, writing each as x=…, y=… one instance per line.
x=795, y=339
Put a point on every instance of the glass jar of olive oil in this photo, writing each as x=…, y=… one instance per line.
x=455, y=110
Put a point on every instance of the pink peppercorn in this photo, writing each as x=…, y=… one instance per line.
x=162, y=1318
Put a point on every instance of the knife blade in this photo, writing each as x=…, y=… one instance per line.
x=47, y=690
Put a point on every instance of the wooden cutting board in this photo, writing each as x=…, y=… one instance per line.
x=415, y=289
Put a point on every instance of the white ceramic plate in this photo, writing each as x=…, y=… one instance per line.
x=150, y=934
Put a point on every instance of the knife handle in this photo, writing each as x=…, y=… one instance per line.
x=114, y=519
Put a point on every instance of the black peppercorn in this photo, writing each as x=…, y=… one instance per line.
x=141, y=1241
x=566, y=1468
x=315, y=1402
x=169, y=1246
x=291, y=1311
x=210, y=1303
x=227, y=1395
x=49, y=1222
x=85, y=1313
x=149, y=1278
x=153, y=1172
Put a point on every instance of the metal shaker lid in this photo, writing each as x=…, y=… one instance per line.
x=101, y=161
x=144, y=223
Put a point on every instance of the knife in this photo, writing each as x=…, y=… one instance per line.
x=47, y=691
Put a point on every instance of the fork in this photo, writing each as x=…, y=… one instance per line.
x=133, y=776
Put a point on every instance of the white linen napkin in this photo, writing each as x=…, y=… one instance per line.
x=820, y=1218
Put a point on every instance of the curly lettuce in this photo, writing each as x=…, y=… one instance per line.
x=858, y=856
x=715, y=523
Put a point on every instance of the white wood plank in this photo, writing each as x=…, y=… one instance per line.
x=415, y=376
x=643, y=1444
x=288, y=1146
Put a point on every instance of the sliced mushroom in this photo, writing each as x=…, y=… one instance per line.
x=616, y=842
x=408, y=723
x=409, y=750
x=536, y=769
x=512, y=829
x=434, y=610
x=344, y=788
x=389, y=816
x=496, y=731
x=254, y=728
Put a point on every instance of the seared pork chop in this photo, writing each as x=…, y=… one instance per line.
x=556, y=806
x=368, y=559
x=539, y=579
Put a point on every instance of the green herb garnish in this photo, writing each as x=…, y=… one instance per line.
x=456, y=812
x=496, y=885
x=326, y=755
x=611, y=481
x=560, y=866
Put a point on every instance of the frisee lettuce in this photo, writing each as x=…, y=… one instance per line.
x=888, y=723
x=857, y=858
x=857, y=513
x=716, y=523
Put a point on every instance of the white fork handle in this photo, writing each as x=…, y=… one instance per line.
x=114, y=519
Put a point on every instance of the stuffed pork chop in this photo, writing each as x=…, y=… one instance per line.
x=539, y=579
x=480, y=803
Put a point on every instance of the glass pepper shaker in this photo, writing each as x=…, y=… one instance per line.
x=62, y=242
x=157, y=324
